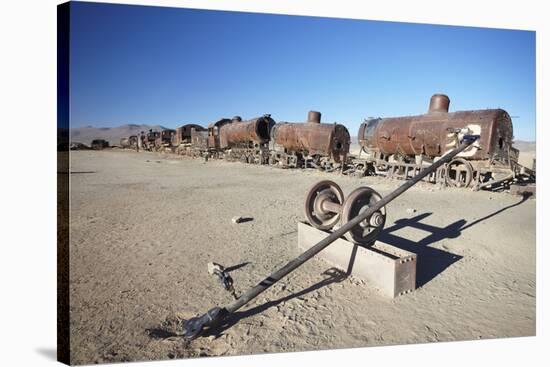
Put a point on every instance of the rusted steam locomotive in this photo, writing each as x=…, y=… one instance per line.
x=310, y=144
x=262, y=141
x=234, y=139
x=155, y=141
x=246, y=141
x=396, y=147
x=402, y=146
x=182, y=138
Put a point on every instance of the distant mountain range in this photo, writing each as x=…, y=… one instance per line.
x=111, y=134
x=525, y=146
x=114, y=134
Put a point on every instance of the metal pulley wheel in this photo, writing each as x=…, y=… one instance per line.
x=459, y=173
x=323, y=204
x=366, y=232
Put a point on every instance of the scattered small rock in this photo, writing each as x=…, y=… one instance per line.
x=411, y=210
x=237, y=219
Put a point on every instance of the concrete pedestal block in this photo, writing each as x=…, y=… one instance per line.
x=387, y=268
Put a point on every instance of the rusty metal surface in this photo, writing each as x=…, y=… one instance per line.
x=313, y=138
x=183, y=133
x=314, y=116
x=199, y=139
x=439, y=103
x=214, y=133
x=164, y=137
x=151, y=136
x=256, y=130
x=428, y=134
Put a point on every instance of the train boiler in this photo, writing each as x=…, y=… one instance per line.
x=401, y=146
x=247, y=141
x=310, y=144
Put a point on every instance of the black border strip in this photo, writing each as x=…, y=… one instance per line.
x=63, y=73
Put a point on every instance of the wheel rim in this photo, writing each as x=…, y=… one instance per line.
x=459, y=173
x=366, y=232
x=316, y=215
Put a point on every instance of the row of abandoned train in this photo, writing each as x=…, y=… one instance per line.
x=397, y=147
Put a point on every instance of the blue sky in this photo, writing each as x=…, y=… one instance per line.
x=168, y=66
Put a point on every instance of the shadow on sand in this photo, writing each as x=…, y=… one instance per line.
x=431, y=261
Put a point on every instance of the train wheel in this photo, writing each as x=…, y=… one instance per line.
x=315, y=211
x=366, y=232
x=292, y=162
x=459, y=173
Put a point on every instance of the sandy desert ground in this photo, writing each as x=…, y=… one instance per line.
x=144, y=226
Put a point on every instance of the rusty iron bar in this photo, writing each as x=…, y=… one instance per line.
x=295, y=263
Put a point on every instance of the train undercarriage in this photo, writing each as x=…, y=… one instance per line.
x=494, y=174
x=252, y=153
x=285, y=159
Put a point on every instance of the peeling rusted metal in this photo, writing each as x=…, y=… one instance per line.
x=314, y=116
x=439, y=103
x=199, y=139
x=214, y=133
x=183, y=134
x=433, y=134
x=313, y=138
x=238, y=132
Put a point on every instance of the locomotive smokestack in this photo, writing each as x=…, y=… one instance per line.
x=236, y=119
x=439, y=103
x=314, y=117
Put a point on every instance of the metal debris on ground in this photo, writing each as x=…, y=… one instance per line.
x=223, y=277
